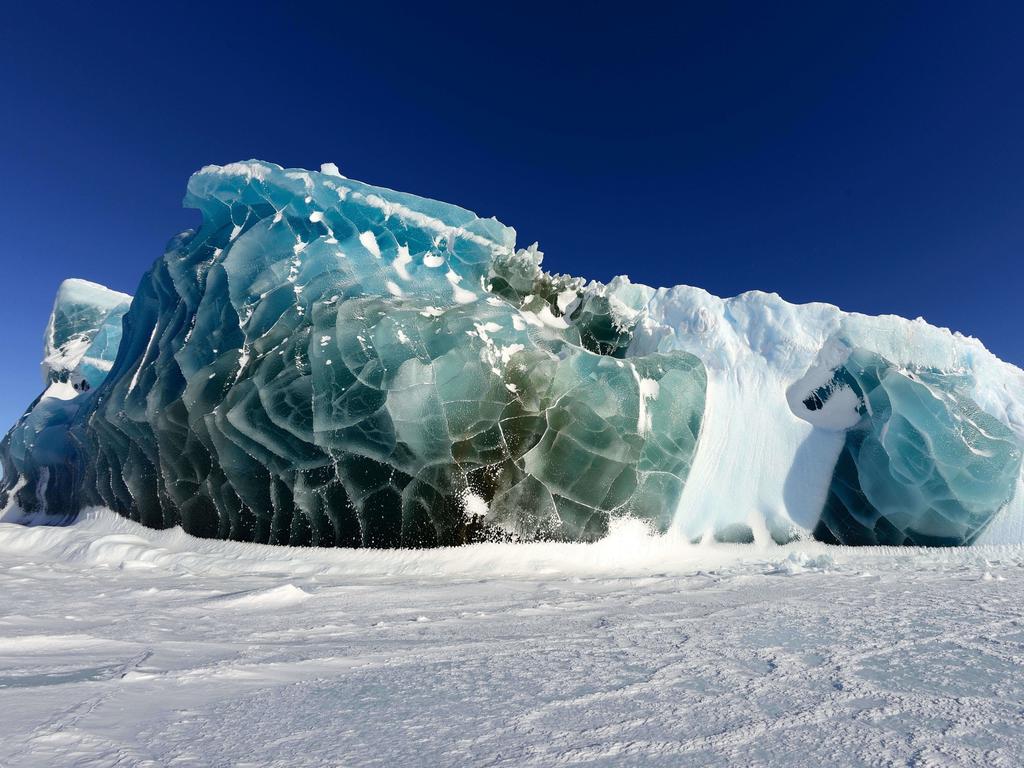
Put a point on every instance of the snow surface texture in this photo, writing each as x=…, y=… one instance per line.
x=325, y=362
x=122, y=645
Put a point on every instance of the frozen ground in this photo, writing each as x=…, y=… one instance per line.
x=124, y=646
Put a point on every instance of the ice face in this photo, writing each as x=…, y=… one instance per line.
x=922, y=465
x=327, y=362
x=330, y=363
x=83, y=334
x=81, y=342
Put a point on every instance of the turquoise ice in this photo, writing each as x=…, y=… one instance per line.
x=80, y=344
x=325, y=362
x=923, y=464
x=83, y=334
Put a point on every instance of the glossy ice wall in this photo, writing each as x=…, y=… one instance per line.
x=38, y=455
x=922, y=465
x=326, y=362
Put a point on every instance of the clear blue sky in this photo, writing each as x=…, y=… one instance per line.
x=869, y=155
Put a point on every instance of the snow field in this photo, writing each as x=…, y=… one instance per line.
x=120, y=645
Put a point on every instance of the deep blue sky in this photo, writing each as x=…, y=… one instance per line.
x=867, y=155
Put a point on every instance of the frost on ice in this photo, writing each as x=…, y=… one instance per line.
x=326, y=362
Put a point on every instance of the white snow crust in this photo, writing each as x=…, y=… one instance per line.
x=120, y=645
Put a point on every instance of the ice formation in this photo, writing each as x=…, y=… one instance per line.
x=331, y=363
x=81, y=342
x=83, y=334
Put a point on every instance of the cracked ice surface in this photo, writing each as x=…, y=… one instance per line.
x=124, y=645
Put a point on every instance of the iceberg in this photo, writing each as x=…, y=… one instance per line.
x=325, y=362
